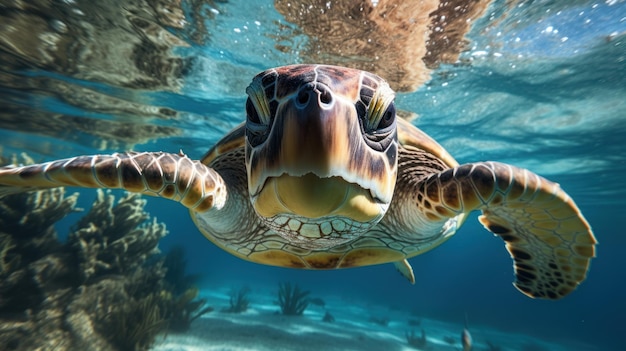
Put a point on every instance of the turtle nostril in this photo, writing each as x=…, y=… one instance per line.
x=303, y=97
x=326, y=97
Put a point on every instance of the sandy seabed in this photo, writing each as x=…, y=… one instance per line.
x=263, y=328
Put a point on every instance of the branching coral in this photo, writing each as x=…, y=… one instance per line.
x=78, y=294
x=292, y=300
x=30, y=252
x=115, y=239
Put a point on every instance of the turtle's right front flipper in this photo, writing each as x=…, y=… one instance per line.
x=547, y=236
x=171, y=176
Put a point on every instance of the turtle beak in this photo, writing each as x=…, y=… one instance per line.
x=315, y=162
x=314, y=131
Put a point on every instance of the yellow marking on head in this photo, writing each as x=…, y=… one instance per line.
x=310, y=196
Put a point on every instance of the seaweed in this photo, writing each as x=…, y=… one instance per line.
x=238, y=300
x=91, y=291
x=136, y=324
x=184, y=309
x=417, y=342
x=328, y=318
x=33, y=260
x=176, y=276
x=292, y=300
x=181, y=304
x=115, y=239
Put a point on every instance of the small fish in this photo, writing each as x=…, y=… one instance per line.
x=466, y=337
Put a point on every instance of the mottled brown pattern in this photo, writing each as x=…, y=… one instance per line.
x=541, y=247
x=189, y=182
x=323, y=261
x=548, y=238
x=287, y=80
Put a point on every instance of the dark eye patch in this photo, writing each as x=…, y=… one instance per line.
x=390, y=115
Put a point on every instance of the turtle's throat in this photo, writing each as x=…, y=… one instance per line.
x=312, y=197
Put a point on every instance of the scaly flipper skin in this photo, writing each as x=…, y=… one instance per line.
x=545, y=233
x=171, y=176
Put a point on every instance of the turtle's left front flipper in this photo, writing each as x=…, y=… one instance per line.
x=545, y=233
x=172, y=176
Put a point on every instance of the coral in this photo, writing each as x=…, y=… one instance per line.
x=108, y=245
x=88, y=292
x=292, y=300
x=417, y=342
x=238, y=300
x=30, y=252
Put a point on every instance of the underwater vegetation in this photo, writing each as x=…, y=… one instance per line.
x=415, y=341
x=238, y=300
x=103, y=288
x=292, y=300
x=176, y=277
x=136, y=324
x=60, y=295
x=328, y=318
x=179, y=299
x=180, y=311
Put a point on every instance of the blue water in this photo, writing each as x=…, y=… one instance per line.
x=543, y=87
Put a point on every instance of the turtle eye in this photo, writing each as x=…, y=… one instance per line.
x=251, y=112
x=388, y=117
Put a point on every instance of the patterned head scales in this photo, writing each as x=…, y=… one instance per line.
x=321, y=151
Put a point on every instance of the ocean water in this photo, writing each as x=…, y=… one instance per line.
x=540, y=85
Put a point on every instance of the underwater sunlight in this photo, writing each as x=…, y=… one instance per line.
x=323, y=154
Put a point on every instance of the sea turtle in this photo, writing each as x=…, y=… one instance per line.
x=323, y=175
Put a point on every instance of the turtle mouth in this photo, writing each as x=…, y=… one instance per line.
x=312, y=197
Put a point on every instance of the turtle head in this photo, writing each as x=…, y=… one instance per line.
x=321, y=152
